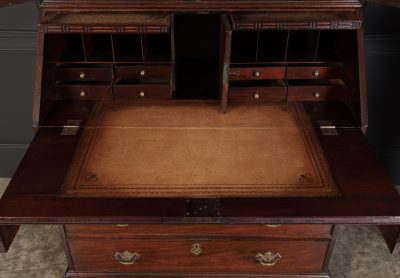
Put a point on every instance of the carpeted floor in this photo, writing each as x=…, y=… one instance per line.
x=360, y=252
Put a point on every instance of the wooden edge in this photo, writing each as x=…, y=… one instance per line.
x=391, y=235
x=7, y=235
x=63, y=235
x=328, y=255
x=37, y=90
x=362, y=75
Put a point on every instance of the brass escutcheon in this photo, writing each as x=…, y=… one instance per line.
x=196, y=249
x=126, y=257
x=268, y=258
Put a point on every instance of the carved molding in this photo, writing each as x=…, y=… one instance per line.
x=56, y=28
x=290, y=25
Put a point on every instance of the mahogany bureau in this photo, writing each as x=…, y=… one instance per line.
x=180, y=138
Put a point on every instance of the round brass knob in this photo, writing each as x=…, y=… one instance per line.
x=316, y=94
x=316, y=73
x=82, y=75
x=256, y=74
x=256, y=96
x=142, y=73
x=83, y=93
x=141, y=94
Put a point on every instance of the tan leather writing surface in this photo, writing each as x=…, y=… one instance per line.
x=192, y=150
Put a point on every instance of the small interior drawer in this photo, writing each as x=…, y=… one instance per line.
x=84, y=74
x=198, y=255
x=262, y=91
x=305, y=72
x=143, y=72
x=142, y=91
x=317, y=93
x=256, y=73
x=305, y=231
x=83, y=92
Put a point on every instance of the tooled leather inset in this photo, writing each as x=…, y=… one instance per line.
x=192, y=150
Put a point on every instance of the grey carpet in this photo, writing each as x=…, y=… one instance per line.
x=360, y=252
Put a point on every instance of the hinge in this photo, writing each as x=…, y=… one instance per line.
x=327, y=128
x=71, y=127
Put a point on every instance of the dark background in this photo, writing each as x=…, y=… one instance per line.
x=17, y=58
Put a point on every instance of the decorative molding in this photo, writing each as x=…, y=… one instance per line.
x=298, y=25
x=58, y=28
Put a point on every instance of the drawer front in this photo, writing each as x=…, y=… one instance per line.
x=143, y=72
x=317, y=93
x=142, y=92
x=257, y=94
x=84, y=74
x=321, y=231
x=198, y=256
x=314, y=72
x=84, y=92
x=256, y=73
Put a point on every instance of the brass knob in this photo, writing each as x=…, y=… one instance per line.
x=256, y=96
x=316, y=94
x=83, y=93
x=141, y=94
x=268, y=258
x=196, y=249
x=126, y=257
x=82, y=75
x=142, y=73
x=316, y=73
x=256, y=74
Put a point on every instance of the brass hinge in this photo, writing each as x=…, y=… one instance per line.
x=327, y=128
x=71, y=127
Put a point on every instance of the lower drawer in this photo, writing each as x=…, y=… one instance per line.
x=142, y=91
x=212, y=256
x=84, y=92
x=317, y=93
x=257, y=94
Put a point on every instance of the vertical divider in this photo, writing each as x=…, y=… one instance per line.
x=317, y=46
x=143, y=43
x=257, y=44
x=287, y=46
x=286, y=64
x=225, y=57
x=172, y=36
x=112, y=48
x=84, y=48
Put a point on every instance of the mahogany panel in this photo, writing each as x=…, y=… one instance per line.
x=216, y=255
x=192, y=275
x=200, y=230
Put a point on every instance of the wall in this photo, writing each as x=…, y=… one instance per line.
x=17, y=43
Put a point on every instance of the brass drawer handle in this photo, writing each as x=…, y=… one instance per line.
x=142, y=73
x=316, y=73
x=316, y=94
x=196, y=249
x=141, y=94
x=268, y=258
x=122, y=225
x=256, y=74
x=256, y=96
x=82, y=75
x=273, y=225
x=83, y=94
x=126, y=257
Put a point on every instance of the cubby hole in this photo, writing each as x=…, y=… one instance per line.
x=98, y=47
x=302, y=46
x=127, y=48
x=157, y=47
x=337, y=45
x=272, y=46
x=63, y=48
x=244, y=47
